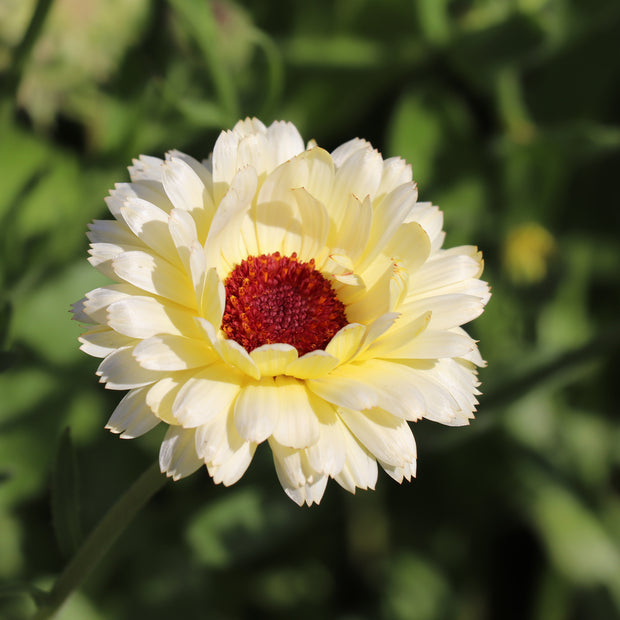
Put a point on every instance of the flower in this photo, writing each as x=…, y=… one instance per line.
x=283, y=294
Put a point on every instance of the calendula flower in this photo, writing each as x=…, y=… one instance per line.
x=280, y=293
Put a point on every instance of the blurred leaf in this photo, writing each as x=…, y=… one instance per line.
x=415, y=133
x=414, y=589
x=238, y=526
x=479, y=55
x=65, y=497
x=199, y=20
x=44, y=321
x=433, y=16
x=19, y=588
x=11, y=560
x=23, y=51
x=575, y=538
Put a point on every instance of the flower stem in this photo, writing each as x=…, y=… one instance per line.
x=101, y=539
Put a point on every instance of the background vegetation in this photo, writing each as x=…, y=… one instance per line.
x=508, y=111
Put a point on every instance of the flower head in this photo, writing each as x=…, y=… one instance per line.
x=280, y=293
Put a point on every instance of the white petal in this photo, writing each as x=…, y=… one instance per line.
x=155, y=275
x=396, y=171
x=297, y=477
x=150, y=224
x=273, y=359
x=226, y=454
x=101, y=341
x=398, y=473
x=388, y=216
x=143, y=317
x=120, y=371
x=315, y=225
x=223, y=241
x=284, y=140
x=349, y=235
x=448, y=311
x=96, y=302
x=151, y=191
x=205, y=395
x=186, y=190
x=385, y=436
x=160, y=396
x=445, y=269
x=327, y=455
x=389, y=343
x=346, y=342
x=183, y=233
x=348, y=149
x=132, y=416
x=168, y=352
x=360, y=468
x=257, y=410
x=102, y=256
x=146, y=168
x=360, y=174
x=111, y=231
x=297, y=424
x=373, y=383
x=433, y=344
x=312, y=365
x=431, y=219
x=177, y=455
x=321, y=174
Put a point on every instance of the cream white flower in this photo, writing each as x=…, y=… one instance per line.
x=280, y=293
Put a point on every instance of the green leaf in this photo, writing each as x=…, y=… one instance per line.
x=415, y=134
x=65, y=499
x=576, y=540
x=17, y=588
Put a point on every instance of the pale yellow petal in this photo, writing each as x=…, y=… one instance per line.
x=132, y=417
x=146, y=168
x=143, y=317
x=383, y=342
x=184, y=235
x=257, y=409
x=360, y=467
x=224, y=246
x=169, y=352
x=161, y=395
x=360, y=174
x=346, y=342
x=121, y=371
x=297, y=425
x=388, y=216
x=150, y=224
x=327, y=454
x=206, y=394
x=386, y=437
x=312, y=365
x=314, y=226
x=273, y=359
x=177, y=455
x=155, y=275
x=297, y=477
x=101, y=341
x=396, y=172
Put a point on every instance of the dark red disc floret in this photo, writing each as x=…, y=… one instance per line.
x=272, y=298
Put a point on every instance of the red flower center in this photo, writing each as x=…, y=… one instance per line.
x=272, y=298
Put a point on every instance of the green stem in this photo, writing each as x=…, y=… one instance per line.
x=101, y=539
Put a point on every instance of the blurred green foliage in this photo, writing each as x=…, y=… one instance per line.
x=508, y=111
